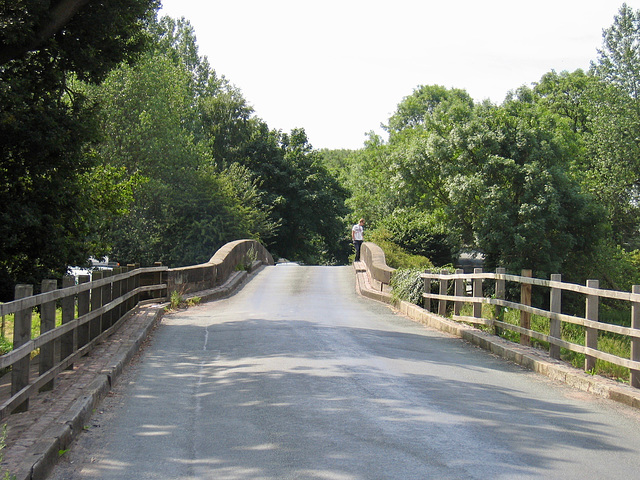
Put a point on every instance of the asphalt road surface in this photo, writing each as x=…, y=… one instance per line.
x=297, y=377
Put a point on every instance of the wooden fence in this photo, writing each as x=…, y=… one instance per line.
x=91, y=311
x=473, y=284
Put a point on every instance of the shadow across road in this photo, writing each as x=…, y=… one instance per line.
x=263, y=398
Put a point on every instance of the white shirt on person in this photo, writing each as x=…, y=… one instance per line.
x=358, y=232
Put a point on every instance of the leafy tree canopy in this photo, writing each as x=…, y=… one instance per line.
x=46, y=127
x=87, y=38
x=612, y=162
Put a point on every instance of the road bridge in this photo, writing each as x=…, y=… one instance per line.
x=296, y=376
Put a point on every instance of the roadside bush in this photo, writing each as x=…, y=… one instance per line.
x=421, y=233
x=395, y=255
x=615, y=267
x=407, y=285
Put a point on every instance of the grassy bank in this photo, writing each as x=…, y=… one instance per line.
x=612, y=343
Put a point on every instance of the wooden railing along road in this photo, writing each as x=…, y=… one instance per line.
x=474, y=289
x=101, y=306
x=474, y=283
x=92, y=310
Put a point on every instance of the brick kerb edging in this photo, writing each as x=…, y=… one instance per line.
x=528, y=357
x=42, y=456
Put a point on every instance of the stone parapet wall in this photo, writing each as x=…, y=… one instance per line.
x=378, y=271
x=233, y=256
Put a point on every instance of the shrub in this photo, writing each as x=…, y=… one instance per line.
x=395, y=255
x=176, y=299
x=421, y=233
x=407, y=285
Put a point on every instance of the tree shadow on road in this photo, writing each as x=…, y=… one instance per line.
x=262, y=398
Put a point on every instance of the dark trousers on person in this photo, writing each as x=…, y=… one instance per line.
x=357, y=244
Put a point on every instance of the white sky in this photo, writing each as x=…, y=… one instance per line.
x=339, y=68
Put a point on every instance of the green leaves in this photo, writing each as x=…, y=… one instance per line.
x=47, y=129
x=492, y=178
x=213, y=173
x=433, y=107
x=619, y=59
x=517, y=198
x=186, y=208
x=306, y=199
x=611, y=162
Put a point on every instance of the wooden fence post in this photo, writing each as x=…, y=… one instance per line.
x=137, y=283
x=555, y=325
x=635, y=342
x=21, y=335
x=477, y=293
x=131, y=286
x=525, y=299
x=95, y=325
x=116, y=293
x=444, y=286
x=501, y=293
x=427, y=289
x=47, y=322
x=83, y=309
x=591, y=334
x=106, y=295
x=68, y=342
x=157, y=280
x=459, y=291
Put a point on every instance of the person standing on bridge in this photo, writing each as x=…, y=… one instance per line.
x=357, y=235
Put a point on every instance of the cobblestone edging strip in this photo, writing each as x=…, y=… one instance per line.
x=528, y=357
x=56, y=418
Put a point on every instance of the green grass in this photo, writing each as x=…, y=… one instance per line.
x=178, y=301
x=3, y=443
x=612, y=343
x=396, y=256
x=6, y=340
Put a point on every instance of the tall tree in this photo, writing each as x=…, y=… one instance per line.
x=306, y=200
x=87, y=38
x=516, y=192
x=497, y=177
x=185, y=207
x=367, y=180
x=43, y=19
x=568, y=95
x=45, y=126
x=425, y=105
x=614, y=144
x=619, y=58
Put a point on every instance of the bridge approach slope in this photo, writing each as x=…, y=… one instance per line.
x=296, y=376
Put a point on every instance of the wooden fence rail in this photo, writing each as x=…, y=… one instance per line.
x=474, y=282
x=93, y=310
x=101, y=306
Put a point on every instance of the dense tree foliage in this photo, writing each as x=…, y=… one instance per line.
x=184, y=208
x=118, y=138
x=547, y=180
x=45, y=171
x=161, y=159
x=523, y=206
x=208, y=170
x=491, y=178
x=306, y=199
x=613, y=156
x=87, y=38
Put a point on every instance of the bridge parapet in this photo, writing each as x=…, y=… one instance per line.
x=378, y=271
x=237, y=255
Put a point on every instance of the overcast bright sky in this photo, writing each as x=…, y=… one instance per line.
x=339, y=68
